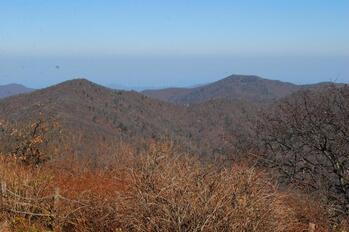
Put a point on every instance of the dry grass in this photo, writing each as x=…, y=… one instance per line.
x=160, y=190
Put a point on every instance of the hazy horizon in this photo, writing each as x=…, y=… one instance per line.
x=155, y=44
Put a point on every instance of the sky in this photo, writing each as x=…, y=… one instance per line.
x=146, y=44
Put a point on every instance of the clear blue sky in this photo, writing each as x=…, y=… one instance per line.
x=182, y=42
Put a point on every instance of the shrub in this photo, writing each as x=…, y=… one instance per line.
x=160, y=190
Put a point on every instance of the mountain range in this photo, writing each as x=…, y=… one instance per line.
x=90, y=119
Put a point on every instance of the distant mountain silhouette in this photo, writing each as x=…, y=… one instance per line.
x=13, y=89
x=243, y=87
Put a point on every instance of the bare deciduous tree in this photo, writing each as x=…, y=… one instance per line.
x=306, y=138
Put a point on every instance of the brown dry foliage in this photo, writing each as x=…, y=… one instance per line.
x=160, y=190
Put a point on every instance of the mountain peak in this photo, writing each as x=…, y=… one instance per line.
x=78, y=82
x=247, y=78
x=247, y=87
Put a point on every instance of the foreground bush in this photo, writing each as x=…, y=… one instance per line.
x=160, y=190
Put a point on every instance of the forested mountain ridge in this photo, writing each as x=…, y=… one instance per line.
x=234, y=87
